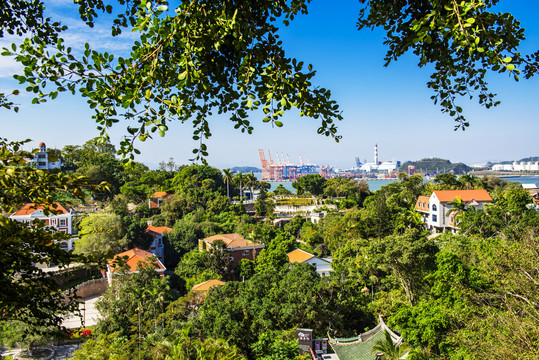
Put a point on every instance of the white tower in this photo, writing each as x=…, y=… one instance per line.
x=376, y=154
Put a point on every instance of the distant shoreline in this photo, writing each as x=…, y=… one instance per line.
x=509, y=176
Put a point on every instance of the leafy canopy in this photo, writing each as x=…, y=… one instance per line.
x=189, y=63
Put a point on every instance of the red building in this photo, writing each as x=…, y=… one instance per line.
x=239, y=247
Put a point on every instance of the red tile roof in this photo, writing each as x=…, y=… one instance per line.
x=30, y=208
x=232, y=241
x=464, y=195
x=134, y=256
x=160, y=194
x=158, y=229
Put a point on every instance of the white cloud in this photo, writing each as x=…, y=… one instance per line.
x=8, y=65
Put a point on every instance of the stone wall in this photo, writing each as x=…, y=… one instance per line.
x=65, y=276
x=90, y=288
x=300, y=208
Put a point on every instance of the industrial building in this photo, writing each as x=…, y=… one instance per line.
x=377, y=166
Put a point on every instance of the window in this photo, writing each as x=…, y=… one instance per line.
x=245, y=253
x=62, y=222
x=53, y=221
x=434, y=207
x=434, y=218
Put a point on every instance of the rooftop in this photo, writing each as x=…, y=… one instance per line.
x=299, y=256
x=464, y=195
x=30, y=208
x=158, y=229
x=134, y=256
x=232, y=241
x=207, y=285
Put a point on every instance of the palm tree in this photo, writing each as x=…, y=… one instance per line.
x=469, y=180
x=228, y=174
x=240, y=178
x=388, y=350
x=420, y=354
x=458, y=207
x=250, y=181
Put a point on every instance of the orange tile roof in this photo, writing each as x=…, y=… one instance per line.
x=30, y=208
x=423, y=198
x=422, y=203
x=160, y=194
x=158, y=229
x=299, y=256
x=134, y=256
x=206, y=285
x=465, y=195
x=232, y=241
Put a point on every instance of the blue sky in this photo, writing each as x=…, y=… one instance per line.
x=388, y=106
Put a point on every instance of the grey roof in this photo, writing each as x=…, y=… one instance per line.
x=360, y=347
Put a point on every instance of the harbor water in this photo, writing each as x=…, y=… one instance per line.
x=377, y=184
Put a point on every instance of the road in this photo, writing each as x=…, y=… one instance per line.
x=89, y=313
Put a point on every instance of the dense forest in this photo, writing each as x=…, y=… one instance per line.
x=469, y=295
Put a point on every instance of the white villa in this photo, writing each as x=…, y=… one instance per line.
x=323, y=266
x=436, y=209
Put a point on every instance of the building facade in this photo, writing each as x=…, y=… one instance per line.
x=133, y=259
x=157, y=247
x=436, y=208
x=239, y=247
x=62, y=221
x=157, y=199
x=323, y=266
x=41, y=159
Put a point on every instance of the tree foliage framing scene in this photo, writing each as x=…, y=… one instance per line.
x=229, y=268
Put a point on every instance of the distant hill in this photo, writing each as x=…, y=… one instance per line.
x=245, y=169
x=529, y=158
x=436, y=165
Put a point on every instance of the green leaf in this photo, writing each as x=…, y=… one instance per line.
x=183, y=75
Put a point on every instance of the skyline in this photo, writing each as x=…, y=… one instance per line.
x=389, y=106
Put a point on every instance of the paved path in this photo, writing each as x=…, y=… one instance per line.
x=60, y=352
x=89, y=313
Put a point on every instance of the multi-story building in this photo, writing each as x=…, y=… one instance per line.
x=61, y=221
x=41, y=159
x=323, y=266
x=157, y=199
x=239, y=247
x=158, y=233
x=133, y=259
x=436, y=208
